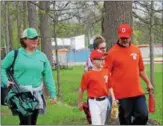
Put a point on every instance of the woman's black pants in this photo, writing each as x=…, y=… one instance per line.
x=29, y=120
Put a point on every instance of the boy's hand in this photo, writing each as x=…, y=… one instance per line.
x=114, y=102
x=80, y=106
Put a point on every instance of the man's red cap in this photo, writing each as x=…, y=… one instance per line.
x=96, y=55
x=124, y=31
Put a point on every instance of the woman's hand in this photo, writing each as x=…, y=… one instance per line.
x=9, y=84
x=53, y=101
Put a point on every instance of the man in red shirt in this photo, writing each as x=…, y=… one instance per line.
x=125, y=65
x=95, y=82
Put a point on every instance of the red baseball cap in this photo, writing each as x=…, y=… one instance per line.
x=124, y=31
x=96, y=54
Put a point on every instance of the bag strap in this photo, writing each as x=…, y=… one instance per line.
x=10, y=70
x=13, y=63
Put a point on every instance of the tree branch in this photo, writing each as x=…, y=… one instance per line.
x=159, y=11
x=140, y=10
x=140, y=18
x=145, y=5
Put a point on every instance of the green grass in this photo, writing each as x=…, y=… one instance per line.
x=59, y=114
x=158, y=115
x=70, y=81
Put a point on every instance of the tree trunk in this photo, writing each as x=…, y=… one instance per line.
x=115, y=13
x=10, y=31
x=2, y=22
x=151, y=43
x=32, y=18
x=56, y=53
x=18, y=20
x=7, y=31
x=162, y=32
x=86, y=32
x=46, y=45
x=25, y=24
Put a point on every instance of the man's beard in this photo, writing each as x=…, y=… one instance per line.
x=124, y=44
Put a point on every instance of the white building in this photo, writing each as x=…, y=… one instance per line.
x=77, y=42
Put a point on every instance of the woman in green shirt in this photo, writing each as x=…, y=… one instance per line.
x=31, y=68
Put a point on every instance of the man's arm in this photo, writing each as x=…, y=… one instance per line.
x=144, y=76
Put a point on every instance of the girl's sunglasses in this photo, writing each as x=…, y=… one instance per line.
x=102, y=48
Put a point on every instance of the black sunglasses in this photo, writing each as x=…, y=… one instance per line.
x=35, y=38
x=124, y=38
x=101, y=59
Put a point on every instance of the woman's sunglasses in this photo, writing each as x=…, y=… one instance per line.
x=35, y=38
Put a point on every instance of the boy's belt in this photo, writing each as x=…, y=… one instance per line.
x=98, y=99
